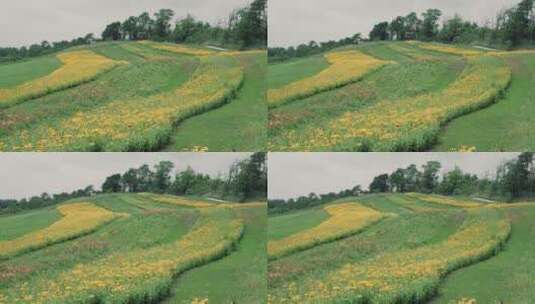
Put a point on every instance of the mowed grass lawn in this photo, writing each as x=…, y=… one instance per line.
x=145, y=225
x=239, y=125
x=507, y=125
x=506, y=278
x=421, y=225
x=281, y=74
x=238, y=278
x=17, y=73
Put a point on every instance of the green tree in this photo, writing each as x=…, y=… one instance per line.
x=379, y=184
x=112, y=32
x=398, y=28
x=130, y=180
x=130, y=28
x=380, y=31
x=430, y=176
x=398, y=181
x=162, y=176
x=162, y=23
x=430, y=23
x=412, y=26
x=112, y=184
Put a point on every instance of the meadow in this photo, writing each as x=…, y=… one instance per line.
x=134, y=96
x=424, y=96
x=426, y=249
x=135, y=248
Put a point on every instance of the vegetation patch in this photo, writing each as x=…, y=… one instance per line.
x=78, y=219
x=78, y=67
x=138, y=275
x=404, y=276
x=407, y=124
x=345, y=67
x=345, y=219
x=139, y=123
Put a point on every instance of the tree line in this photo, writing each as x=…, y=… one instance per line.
x=245, y=28
x=245, y=180
x=513, y=27
x=279, y=54
x=513, y=180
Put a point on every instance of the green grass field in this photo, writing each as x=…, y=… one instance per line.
x=17, y=73
x=391, y=261
x=143, y=234
x=54, y=121
x=237, y=126
x=281, y=74
x=23, y=223
x=506, y=278
x=353, y=117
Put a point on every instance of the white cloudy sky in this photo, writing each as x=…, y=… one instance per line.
x=27, y=174
x=294, y=174
x=23, y=22
x=298, y=21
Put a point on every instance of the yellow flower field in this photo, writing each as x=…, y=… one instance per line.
x=345, y=67
x=345, y=219
x=408, y=124
x=78, y=67
x=448, y=49
x=78, y=219
x=139, y=124
x=180, y=49
x=407, y=273
x=175, y=200
x=139, y=275
x=444, y=200
x=414, y=54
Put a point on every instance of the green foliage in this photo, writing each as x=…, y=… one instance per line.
x=380, y=31
x=515, y=27
x=279, y=54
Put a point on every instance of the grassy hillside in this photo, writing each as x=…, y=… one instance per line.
x=504, y=126
x=237, y=126
x=146, y=254
x=131, y=97
x=428, y=96
x=409, y=256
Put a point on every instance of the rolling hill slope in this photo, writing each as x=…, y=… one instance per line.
x=149, y=251
x=426, y=249
x=130, y=97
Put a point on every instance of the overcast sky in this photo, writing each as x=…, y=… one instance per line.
x=27, y=174
x=295, y=174
x=23, y=22
x=292, y=22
